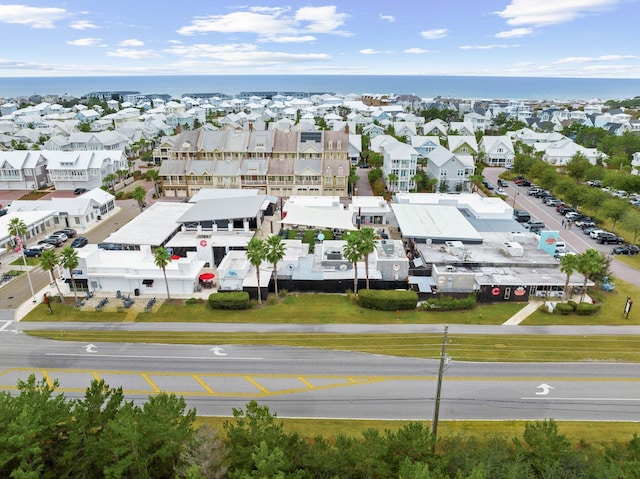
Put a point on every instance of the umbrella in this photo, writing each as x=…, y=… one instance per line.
x=207, y=276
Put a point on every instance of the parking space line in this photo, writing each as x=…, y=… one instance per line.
x=95, y=375
x=306, y=383
x=47, y=378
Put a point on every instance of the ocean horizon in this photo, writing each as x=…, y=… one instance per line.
x=424, y=86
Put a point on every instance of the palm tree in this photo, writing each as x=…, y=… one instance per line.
x=351, y=252
x=275, y=251
x=589, y=263
x=256, y=253
x=69, y=260
x=367, y=244
x=139, y=194
x=49, y=260
x=154, y=176
x=392, y=178
x=18, y=228
x=568, y=265
x=161, y=258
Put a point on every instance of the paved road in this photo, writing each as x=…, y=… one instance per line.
x=296, y=382
x=574, y=237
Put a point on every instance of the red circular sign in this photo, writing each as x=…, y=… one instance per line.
x=550, y=240
x=520, y=291
x=495, y=291
x=203, y=242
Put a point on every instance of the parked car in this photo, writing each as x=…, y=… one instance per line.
x=61, y=233
x=501, y=192
x=610, y=238
x=79, y=191
x=32, y=252
x=533, y=191
x=626, y=249
x=594, y=234
x=589, y=229
x=595, y=183
x=502, y=183
x=553, y=202
x=79, y=242
x=521, y=216
x=70, y=232
x=58, y=234
x=534, y=224
x=51, y=240
x=3, y=211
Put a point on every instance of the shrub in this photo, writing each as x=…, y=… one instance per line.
x=563, y=309
x=233, y=300
x=192, y=301
x=572, y=303
x=447, y=303
x=388, y=300
x=587, y=309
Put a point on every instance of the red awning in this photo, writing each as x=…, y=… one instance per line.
x=207, y=276
x=175, y=257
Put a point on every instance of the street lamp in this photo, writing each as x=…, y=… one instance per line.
x=514, y=199
x=24, y=261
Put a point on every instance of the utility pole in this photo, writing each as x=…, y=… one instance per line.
x=436, y=408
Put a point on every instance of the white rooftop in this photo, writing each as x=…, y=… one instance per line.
x=436, y=222
x=153, y=226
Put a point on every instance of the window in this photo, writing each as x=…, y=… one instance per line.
x=461, y=172
x=443, y=172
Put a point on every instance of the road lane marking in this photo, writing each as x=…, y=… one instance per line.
x=305, y=382
x=150, y=382
x=580, y=399
x=132, y=356
x=47, y=378
x=5, y=325
x=257, y=384
x=95, y=375
x=204, y=385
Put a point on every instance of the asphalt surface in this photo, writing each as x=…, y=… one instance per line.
x=574, y=236
x=300, y=382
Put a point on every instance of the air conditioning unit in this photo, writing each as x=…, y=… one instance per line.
x=513, y=249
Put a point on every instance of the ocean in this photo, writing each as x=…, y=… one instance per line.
x=472, y=87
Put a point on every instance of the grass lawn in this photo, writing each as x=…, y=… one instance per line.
x=597, y=434
x=611, y=310
x=295, y=308
x=30, y=261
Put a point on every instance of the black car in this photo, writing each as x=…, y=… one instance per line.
x=610, y=238
x=79, y=242
x=502, y=183
x=626, y=249
x=70, y=232
x=32, y=252
x=51, y=240
x=79, y=191
x=521, y=216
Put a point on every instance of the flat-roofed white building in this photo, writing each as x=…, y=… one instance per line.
x=130, y=272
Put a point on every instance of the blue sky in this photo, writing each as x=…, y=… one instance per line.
x=553, y=38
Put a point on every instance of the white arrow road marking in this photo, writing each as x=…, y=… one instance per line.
x=5, y=325
x=217, y=350
x=91, y=348
x=545, y=389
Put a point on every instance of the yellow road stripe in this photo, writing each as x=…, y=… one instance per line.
x=151, y=383
x=95, y=375
x=306, y=383
x=204, y=385
x=47, y=378
x=257, y=384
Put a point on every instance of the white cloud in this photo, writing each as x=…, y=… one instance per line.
x=416, y=50
x=387, y=18
x=83, y=25
x=131, y=42
x=85, y=42
x=132, y=53
x=289, y=39
x=34, y=17
x=242, y=54
x=370, y=51
x=515, y=33
x=434, y=34
x=602, y=58
x=321, y=19
x=550, y=12
x=271, y=24
x=486, y=47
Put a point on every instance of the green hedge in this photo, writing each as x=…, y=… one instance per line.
x=587, y=309
x=233, y=300
x=388, y=300
x=447, y=303
x=563, y=309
